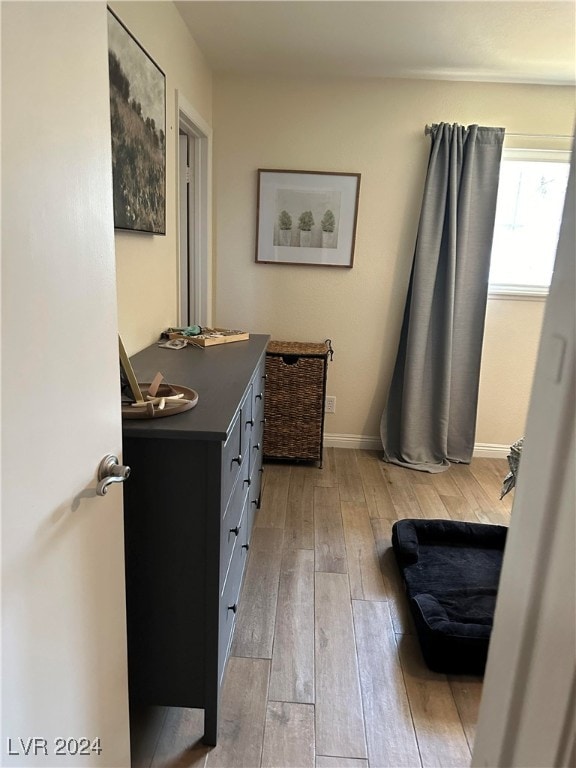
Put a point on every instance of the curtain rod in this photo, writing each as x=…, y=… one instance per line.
x=428, y=131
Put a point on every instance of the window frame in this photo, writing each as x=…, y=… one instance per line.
x=511, y=154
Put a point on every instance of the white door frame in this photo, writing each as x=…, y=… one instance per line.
x=199, y=286
x=186, y=223
x=528, y=707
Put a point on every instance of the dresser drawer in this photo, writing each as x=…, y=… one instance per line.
x=253, y=491
x=256, y=448
x=232, y=458
x=229, y=604
x=251, y=509
x=232, y=525
x=256, y=482
x=247, y=419
x=239, y=475
x=258, y=396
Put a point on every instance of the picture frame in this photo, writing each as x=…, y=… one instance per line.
x=307, y=217
x=128, y=381
x=138, y=126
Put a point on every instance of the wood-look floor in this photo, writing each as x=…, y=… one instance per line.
x=325, y=670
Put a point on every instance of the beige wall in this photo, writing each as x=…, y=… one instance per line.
x=147, y=265
x=511, y=340
x=374, y=127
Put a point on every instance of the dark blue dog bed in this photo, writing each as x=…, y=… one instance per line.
x=451, y=571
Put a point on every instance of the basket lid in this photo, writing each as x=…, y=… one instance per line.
x=297, y=348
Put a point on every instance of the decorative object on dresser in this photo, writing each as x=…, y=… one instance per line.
x=295, y=393
x=188, y=517
x=322, y=206
x=205, y=337
x=152, y=400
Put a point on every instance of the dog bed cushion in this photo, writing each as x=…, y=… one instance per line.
x=451, y=571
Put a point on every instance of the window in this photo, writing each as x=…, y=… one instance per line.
x=531, y=195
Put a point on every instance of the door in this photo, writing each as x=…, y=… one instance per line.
x=64, y=674
x=528, y=712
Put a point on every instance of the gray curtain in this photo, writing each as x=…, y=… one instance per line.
x=430, y=415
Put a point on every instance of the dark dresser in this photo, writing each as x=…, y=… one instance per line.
x=189, y=507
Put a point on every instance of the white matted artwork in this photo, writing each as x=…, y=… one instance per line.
x=307, y=217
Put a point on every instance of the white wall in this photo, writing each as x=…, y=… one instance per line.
x=147, y=265
x=376, y=128
x=510, y=348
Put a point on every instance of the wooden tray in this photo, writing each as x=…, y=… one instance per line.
x=211, y=336
x=171, y=407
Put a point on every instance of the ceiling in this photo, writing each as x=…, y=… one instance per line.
x=490, y=41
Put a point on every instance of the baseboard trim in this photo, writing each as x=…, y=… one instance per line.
x=491, y=451
x=352, y=441
x=374, y=443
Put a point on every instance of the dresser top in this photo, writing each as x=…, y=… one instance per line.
x=220, y=374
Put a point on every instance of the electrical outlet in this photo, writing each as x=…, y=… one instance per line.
x=330, y=406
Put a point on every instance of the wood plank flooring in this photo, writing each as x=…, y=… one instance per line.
x=325, y=669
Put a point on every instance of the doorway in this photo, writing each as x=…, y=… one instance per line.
x=194, y=206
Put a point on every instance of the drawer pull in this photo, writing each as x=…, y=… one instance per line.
x=233, y=608
x=259, y=396
x=263, y=421
x=264, y=377
x=246, y=547
x=236, y=530
x=237, y=459
x=248, y=482
x=257, y=447
x=254, y=501
x=250, y=422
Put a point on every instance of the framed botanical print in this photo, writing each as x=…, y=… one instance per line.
x=307, y=217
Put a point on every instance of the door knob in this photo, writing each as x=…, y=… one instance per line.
x=109, y=471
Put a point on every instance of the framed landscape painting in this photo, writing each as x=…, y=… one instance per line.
x=138, y=121
x=307, y=217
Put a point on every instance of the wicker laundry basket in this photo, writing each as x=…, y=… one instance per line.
x=294, y=405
